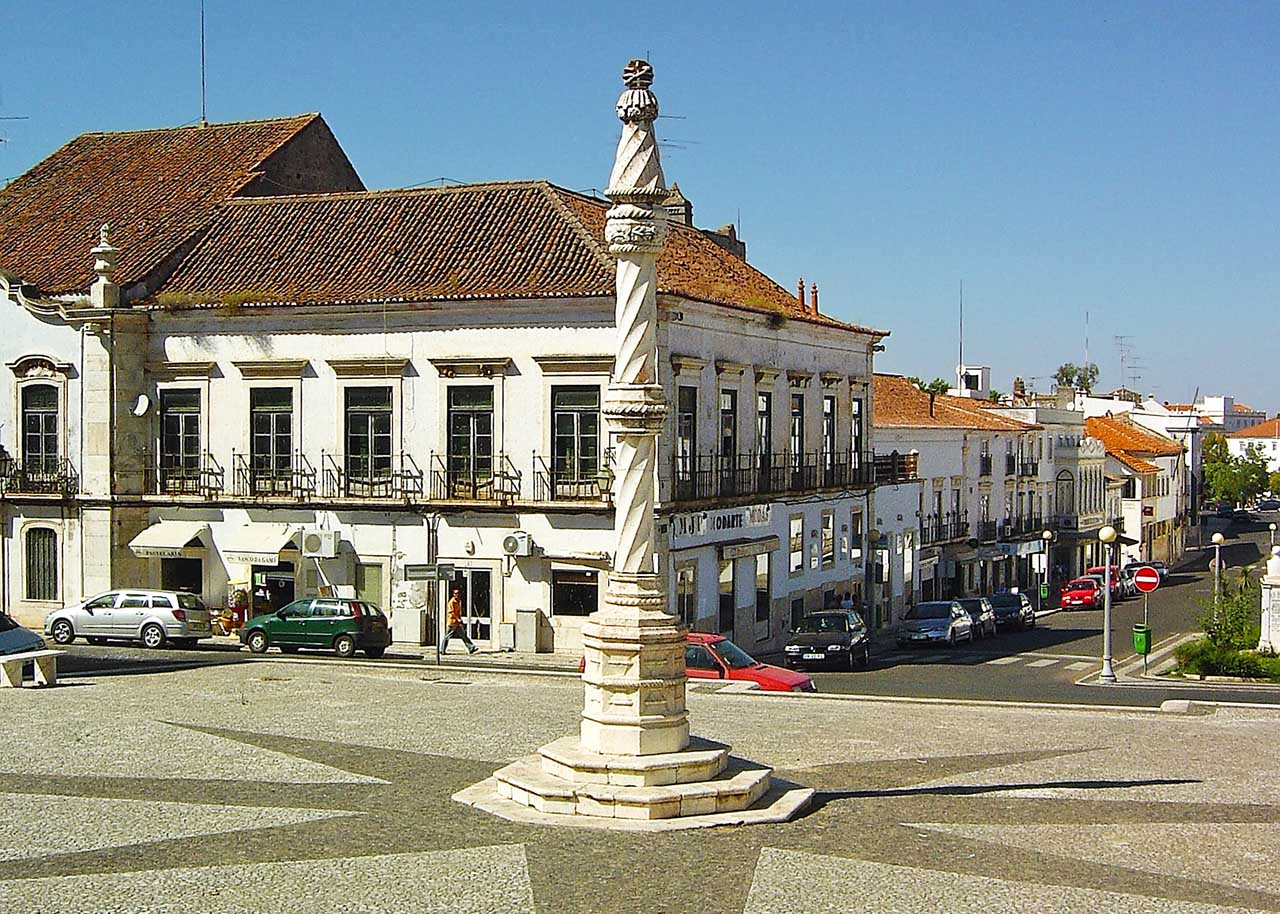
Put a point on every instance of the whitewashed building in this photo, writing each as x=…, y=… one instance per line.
x=308, y=393
x=1262, y=439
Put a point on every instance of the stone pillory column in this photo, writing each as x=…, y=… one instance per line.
x=634, y=672
x=633, y=763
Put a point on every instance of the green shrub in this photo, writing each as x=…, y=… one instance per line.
x=1236, y=622
x=1205, y=658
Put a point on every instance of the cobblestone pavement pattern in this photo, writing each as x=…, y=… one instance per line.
x=318, y=788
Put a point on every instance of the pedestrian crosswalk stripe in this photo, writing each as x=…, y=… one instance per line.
x=1079, y=666
x=1042, y=663
x=1003, y=660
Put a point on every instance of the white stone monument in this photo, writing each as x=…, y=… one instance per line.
x=633, y=764
x=1269, y=641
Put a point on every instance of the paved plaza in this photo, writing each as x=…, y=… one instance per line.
x=326, y=787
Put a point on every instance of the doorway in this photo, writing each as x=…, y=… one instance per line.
x=273, y=587
x=475, y=586
x=182, y=574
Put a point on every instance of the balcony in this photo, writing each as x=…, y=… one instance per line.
x=190, y=475
x=1026, y=525
x=53, y=476
x=944, y=528
x=988, y=531
x=895, y=467
x=386, y=476
x=984, y=465
x=698, y=477
x=561, y=483
x=293, y=477
x=492, y=479
x=1029, y=468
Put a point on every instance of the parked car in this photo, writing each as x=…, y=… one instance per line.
x=716, y=657
x=829, y=637
x=1128, y=587
x=1159, y=566
x=1269, y=504
x=1082, y=593
x=14, y=639
x=330, y=623
x=1100, y=572
x=935, y=621
x=982, y=614
x=1013, y=609
x=154, y=617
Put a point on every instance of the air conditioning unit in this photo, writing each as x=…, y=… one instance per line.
x=319, y=544
x=517, y=544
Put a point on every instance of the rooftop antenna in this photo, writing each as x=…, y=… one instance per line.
x=1086, y=339
x=204, y=120
x=960, y=367
x=1124, y=344
x=11, y=117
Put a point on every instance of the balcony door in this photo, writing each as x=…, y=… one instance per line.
x=470, y=458
x=368, y=441
x=180, y=440
x=40, y=451
x=575, y=445
x=271, y=440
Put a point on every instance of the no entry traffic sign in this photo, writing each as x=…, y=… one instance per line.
x=1146, y=579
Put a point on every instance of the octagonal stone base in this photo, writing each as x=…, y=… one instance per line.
x=700, y=786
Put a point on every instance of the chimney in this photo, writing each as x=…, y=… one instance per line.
x=813, y=297
x=800, y=292
x=104, y=293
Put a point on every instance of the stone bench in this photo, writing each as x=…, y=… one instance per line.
x=46, y=668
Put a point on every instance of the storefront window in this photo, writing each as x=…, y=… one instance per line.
x=575, y=593
x=687, y=593
x=727, y=600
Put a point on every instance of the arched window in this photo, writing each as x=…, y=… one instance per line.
x=1066, y=495
x=40, y=428
x=42, y=564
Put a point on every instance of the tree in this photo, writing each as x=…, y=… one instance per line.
x=1235, y=478
x=1273, y=483
x=936, y=386
x=1081, y=377
x=995, y=396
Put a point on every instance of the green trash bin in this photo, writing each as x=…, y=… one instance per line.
x=1044, y=591
x=1142, y=639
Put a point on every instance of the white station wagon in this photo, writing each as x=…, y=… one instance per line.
x=153, y=617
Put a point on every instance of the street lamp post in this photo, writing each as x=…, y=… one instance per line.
x=1047, y=537
x=1272, y=527
x=1108, y=536
x=1218, y=540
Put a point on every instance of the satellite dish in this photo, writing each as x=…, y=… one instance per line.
x=141, y=405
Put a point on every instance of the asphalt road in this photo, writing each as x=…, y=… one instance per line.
x=1057, y=661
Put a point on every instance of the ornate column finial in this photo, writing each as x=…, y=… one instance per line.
x=104, y=293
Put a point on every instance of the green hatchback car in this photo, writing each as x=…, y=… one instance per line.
x=343, y=626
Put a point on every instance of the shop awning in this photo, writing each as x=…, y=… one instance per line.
x=167, y=538
x=255, y=544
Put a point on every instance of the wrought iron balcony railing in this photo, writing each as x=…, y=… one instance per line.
x=284, y=476
x=988, y=531
x=391, y=476
x=555, y=481
x=48, y=476
x=944, y=528
x=475, y=479
x=1029, y=468
x=196, y=475
x=984, y=465
x=895, y=467
x=695, y=477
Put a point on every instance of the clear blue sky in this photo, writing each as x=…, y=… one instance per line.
x=1120, y=159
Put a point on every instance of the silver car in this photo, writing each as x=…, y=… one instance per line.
x=939, y=620
x=153, y=617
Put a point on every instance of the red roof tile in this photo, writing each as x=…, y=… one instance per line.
x=1268, y=429
x=898, y=403
x=157, y=188
x=521, y=239
x=1131, y=443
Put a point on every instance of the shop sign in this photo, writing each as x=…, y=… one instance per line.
x=745, y=550
x=705, y=524
x=158, y=552
x=267, y=559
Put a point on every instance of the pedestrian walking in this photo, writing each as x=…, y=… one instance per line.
x=454, y=621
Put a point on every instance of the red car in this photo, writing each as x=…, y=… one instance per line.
x=1101, y=571
x=1082, y=593
x=716, y=657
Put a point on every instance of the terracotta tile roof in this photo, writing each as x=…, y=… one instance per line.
x=1131, y=443
x=1241, y=408
x=900, y=404
x=1268, y=429
x=519, y=239
x=156, y=188
x=1180, y=407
